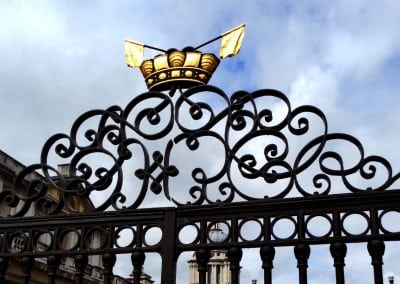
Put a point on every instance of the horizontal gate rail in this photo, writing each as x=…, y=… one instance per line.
x=370, y=204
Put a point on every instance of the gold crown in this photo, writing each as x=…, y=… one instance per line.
x=184, y=69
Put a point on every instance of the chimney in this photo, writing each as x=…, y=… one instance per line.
x=64, y=169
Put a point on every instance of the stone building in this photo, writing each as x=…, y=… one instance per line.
x=218, y=269
x=9, y=168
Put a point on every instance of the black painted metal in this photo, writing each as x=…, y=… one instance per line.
x=267, y=254
x=300, y=176
x=4, y=264
x=202, y=258
x=27, y=263
x=81, y=261
x=338, y=252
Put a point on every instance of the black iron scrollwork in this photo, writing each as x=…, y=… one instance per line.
x=200, y=147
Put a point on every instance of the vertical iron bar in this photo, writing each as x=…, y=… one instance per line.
x=267, y=254
x=27, y=264
x=108, y=258
x=301, y=227
x=234, y=256
x=202, y=255
x=4, y=263
x=374, y=222
x=203, y=232
x=202, y=258
x=168, y=248
x=81, y=261
x=234, y=230
x=137, y=258
x=108, y=264
x=338, y=252
x=53, y=263
x=337, y=224
x=302, y=253
x=376, y=249
x=234, y=253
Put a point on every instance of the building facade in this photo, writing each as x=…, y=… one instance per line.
x=218, y=269
x=9, y=168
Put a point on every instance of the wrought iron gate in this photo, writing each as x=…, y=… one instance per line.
x=264, y=164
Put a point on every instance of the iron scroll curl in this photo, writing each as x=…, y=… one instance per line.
x=253, y=146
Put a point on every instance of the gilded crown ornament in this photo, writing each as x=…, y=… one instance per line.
x=184, y=68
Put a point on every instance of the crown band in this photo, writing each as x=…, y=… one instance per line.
x=184, y=69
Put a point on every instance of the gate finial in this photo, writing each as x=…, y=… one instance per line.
x=184, y=68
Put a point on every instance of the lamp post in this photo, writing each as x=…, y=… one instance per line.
x=391, y=279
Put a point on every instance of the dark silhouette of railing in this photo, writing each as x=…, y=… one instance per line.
x=264, y=164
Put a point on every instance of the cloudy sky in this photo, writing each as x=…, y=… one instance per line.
x=62, y=58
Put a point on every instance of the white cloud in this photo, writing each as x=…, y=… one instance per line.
x=61, y=59
x=315, y=87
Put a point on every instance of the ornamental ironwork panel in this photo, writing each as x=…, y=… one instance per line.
x=243, y=141
x=196, y=167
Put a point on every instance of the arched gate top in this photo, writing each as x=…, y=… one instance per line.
x=198, y=146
